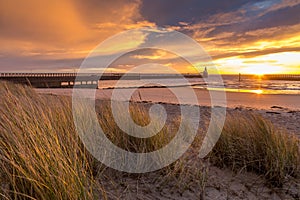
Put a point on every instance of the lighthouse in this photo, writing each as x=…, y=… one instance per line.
x=205, y=73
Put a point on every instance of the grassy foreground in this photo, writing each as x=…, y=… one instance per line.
x=250, y=142
x=41, y=156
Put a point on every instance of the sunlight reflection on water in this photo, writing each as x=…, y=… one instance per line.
x=255, y=86
x=254, y=91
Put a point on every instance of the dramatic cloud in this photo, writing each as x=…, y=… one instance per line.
x=42, y=35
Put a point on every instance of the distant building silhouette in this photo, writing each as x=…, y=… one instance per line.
x=205, y=73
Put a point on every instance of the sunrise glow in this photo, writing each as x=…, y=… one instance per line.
x=59, y=37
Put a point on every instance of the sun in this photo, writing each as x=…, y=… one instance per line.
x=262, y=69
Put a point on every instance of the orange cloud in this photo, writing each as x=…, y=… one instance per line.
x=42, y=21
x=60, y=30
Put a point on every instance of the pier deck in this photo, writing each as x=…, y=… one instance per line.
x=60, y=80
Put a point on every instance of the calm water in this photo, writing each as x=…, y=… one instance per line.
x=231, y=83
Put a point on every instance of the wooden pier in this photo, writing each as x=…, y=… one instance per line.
x=52, y=80
x=288, y=77
x=85, y=80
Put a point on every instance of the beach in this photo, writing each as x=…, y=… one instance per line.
x=222, y=183
x=166, y=100
x=233, y=99
x=255, y=157
x=282, y=109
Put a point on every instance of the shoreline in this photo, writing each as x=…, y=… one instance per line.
x=233, y=99
x=284, y=114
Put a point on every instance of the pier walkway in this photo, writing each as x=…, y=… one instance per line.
x=85, y=80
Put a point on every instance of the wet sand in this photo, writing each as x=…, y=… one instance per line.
x=233, y=99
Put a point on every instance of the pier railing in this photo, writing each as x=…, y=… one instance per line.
x=37, y=74
x=51, y=80
x=57, y=80
x=105, y=75
x=282, y=77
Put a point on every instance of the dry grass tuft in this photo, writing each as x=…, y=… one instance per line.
x=41, y=157
x=250, y=142
x=140, y=116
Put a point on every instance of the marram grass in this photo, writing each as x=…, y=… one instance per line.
x=41, y=157
x=248, y=141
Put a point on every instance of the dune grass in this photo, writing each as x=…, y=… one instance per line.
x=248, y=141
x=141, y=118
x=41, y=157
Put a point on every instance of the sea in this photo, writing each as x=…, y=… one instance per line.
x=229, y=83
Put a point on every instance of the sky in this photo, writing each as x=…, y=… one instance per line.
x=240, y=36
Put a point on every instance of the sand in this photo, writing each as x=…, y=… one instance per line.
x=282, y=110
x=233, y=99
x=221, y=183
